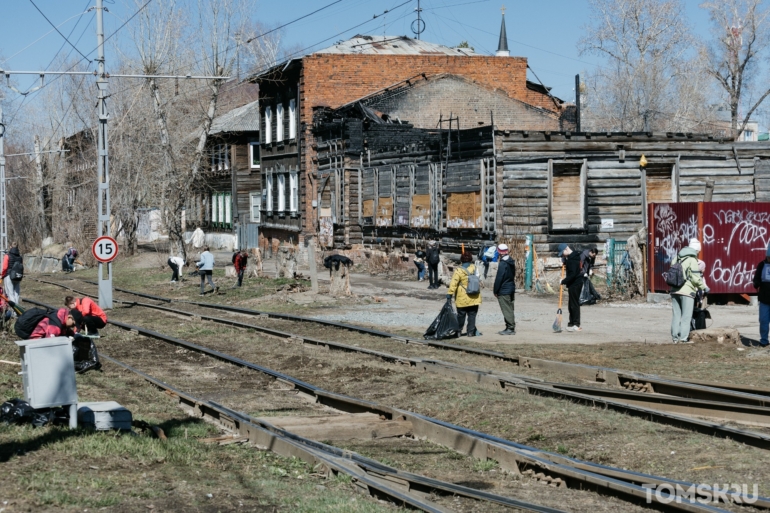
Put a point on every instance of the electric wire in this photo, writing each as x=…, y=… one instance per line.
x=57, y=30
x=43, y=36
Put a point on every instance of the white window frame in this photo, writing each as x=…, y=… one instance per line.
x=214, y=205
x=279, y=122
x=226, y=151
x=255, y=200
x=268, y=125
x=293, y=192
x=252, y=146
x=292, y=119
x=281, y=192
x=221, y=207
x=269, y=192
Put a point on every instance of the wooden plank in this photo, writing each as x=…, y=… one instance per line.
x=610, y=210
x=464, y=210
x=631, y=200
x=614, y=192
x=598, y=174
x=594, y=183
x=384, y=215
x=358, y=426
x=748, y=171
x=525, y=193
x=420, y=215
x=525, y=202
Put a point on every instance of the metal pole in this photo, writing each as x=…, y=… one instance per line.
x=3, y=213
x=577, y=103
x=103, y=163
x=528, y=262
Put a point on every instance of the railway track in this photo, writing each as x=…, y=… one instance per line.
x=662, y=400
x=546, y=466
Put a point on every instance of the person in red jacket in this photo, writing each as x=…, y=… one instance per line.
x=59, y=324
x=93, y=317
x=240, y=261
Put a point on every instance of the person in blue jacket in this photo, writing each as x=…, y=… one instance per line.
x=206, y=270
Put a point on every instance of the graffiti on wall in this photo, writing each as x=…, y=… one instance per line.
x=734, y=239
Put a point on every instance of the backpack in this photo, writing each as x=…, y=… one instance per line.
x=474, y=284
x=235, y=255
x=29, y=320
x=675, y=276
x=17, y=271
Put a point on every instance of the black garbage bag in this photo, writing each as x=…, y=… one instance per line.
x=85, y=355
x=589, y=295
x=699, y=316
x=17, y=411
x=445, y=325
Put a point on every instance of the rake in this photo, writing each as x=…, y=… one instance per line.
x=557, y=322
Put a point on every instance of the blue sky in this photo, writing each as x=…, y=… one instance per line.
x=545, y=32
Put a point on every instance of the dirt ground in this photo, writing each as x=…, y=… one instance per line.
x=611, y=338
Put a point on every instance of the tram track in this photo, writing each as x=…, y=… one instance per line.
x=511, y=456
x=670, y=402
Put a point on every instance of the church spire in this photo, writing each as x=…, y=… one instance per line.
x=502, y=45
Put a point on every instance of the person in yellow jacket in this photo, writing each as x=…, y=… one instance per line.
x=467, y=304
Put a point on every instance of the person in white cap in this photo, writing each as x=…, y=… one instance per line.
x=762, y=284
x=505, y=289
x=683, y=298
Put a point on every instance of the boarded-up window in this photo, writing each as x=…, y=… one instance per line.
x=567, y=184
x=659, y=184
x=403, y=194
x=420, y=212
x=368, y=193
x=464, y=210
x=384, y=214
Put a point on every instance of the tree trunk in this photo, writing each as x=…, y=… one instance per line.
x=635, y=248
x=286, y=262
x=340, y=281
x=40, y=192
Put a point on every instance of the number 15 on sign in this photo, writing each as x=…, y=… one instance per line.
x=105, y=249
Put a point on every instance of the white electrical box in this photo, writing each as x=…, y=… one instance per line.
x=48, y=373
x=104, y=416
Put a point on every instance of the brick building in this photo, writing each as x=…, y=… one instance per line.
x=343, y=73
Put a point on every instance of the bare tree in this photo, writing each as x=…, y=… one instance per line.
x=740, y=34
x=647, y=82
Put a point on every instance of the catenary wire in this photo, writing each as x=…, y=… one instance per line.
x=57, y=30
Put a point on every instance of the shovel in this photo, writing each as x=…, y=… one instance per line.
x=16, y=308
x=557, y=322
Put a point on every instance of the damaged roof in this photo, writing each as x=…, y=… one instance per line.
x=242, y=119
x=392, y=45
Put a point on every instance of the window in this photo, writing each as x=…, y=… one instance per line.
x=268, y=125
x=214, y=209
x=279, y=122
x=268, y=191
x=255, y=202
x=292, y=120
x=254, y=155
x=659, y=183
x=220, y=157
x=566, y=201
x=281, y=193
x=221, y=208
x=748, y=135
x=293, y=192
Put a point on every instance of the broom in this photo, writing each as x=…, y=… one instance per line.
x=557, y=322
x=16, y=308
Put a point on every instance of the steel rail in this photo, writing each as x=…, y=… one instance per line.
x=371, y=473
x=653, y=407
x=510, y=455
x=681, y=387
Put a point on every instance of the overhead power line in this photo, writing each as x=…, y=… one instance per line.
x=56, y=29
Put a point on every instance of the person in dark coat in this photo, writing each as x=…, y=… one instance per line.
x=505, y=288
x=574, y=283
x=13, y=264
x=433, y=259
x=762, y=284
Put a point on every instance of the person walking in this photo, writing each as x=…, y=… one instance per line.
x=91, y=319
x=419, y=261
x=505, y=288
x=488, y=254
x=683, y=298
x=574, y=283
x=433, y=259
x=12, y=273
x=762, y=284
x=206, y=270
x=239, y=261
x=176, y=264
x=467, y=297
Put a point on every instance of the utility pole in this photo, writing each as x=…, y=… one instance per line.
x=103, y=163
x=3, y=216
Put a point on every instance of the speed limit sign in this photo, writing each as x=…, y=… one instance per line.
x=105, y=249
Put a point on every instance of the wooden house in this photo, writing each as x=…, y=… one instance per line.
x=386, y=183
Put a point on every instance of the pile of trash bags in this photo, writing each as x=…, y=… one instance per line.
x=17, y=411
x=445, y=325
x=589, y=296
x=85, y=355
